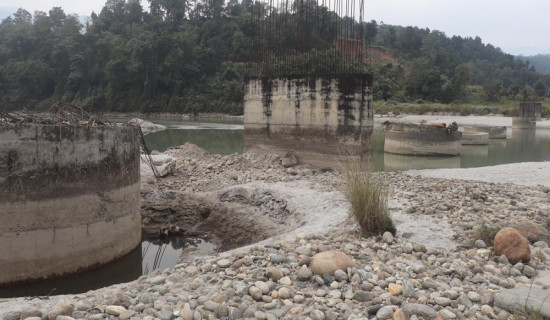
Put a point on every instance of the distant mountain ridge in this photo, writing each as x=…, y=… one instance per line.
x=541, y=62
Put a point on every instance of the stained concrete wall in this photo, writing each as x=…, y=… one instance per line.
x=69, y=199
x=530, y=110
x=412, y=139
x=309, y=115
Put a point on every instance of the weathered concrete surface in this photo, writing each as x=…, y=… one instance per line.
x=69, y=198
x=530, y=110
x=311, y=116
x=495, y=132
x=413, y=139
x=475, y=138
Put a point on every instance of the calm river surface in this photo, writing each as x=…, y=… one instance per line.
x=226, y=137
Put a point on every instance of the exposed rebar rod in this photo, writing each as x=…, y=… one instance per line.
x=306, y=37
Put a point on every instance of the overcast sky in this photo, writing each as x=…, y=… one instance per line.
x=517, y=27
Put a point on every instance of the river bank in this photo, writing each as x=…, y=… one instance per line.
x=280, y=216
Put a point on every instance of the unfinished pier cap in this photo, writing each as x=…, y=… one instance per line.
x=307, y=89
x=69, y=198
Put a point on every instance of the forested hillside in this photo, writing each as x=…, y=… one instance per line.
x=434, y=67
x=541, y=62
x=190, y=56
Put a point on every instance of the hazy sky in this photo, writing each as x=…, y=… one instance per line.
x=517, y=27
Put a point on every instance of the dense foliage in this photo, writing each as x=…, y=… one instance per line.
x=434, y=67
x=190, y=56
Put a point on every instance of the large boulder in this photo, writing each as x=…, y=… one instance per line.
x=330, y=261
x=513, y=245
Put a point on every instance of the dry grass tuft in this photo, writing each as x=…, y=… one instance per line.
x=528, y=314
x=486, y=233
x=368, y=196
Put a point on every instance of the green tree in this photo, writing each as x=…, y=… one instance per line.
x=416, y=76
x=492, y=90
x=371, y=30
x=459, y=82
x=541, y=90
x=22, y=16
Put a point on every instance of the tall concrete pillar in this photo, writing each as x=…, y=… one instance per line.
x=69, y=198
x=330, y=115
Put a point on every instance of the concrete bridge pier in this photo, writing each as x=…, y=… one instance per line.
x=69, y=199
x=310, y=115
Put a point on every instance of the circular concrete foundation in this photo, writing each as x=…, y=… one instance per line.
x=495, y=132
x=421, y=140
x=475, y=138
x=69, y=199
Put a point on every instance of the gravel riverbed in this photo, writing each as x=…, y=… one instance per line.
x=432, y=268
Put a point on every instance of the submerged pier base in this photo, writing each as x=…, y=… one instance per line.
x=524, y=123
x=421, y=140
x=529, y=114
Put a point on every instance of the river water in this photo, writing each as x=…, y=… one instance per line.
x=226, y=137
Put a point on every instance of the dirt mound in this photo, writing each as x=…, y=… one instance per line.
x=381, y=56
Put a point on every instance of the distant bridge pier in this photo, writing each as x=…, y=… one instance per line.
x=529, y=114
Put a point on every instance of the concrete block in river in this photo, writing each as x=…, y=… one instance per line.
x=421, y=140
x=475, y=138
x=69, y=198
x=495, y=132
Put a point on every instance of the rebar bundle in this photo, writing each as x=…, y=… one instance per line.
x=307, y=37
x=60, y=113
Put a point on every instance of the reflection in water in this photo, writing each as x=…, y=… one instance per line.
x=214, y=141
x=525, y=145
x=227, y=138
x=158, y=255
x=145, y=258
x=213, y=135
x=397, y=162
x=475, y=150
x=125, y=269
